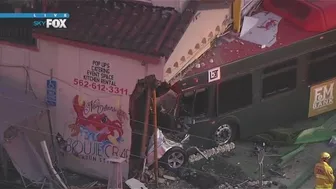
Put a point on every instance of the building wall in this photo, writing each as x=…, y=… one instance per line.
x=92, y=110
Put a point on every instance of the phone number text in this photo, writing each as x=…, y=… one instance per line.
x=100, y=87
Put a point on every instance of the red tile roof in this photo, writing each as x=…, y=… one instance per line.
x=129, y=26
x=226, y=52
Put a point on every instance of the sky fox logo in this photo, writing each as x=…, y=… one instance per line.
x=56, y=23
x=52, y=23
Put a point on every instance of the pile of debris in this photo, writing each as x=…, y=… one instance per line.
x=192, y=175
x=211, y=152
x=165, y=179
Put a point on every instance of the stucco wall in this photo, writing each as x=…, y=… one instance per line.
x=13, y=62
x=91, y=114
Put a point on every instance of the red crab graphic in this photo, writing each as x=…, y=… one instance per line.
x=98, y=123
x=268, y=24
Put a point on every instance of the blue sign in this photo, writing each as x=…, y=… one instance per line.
x=51, y=92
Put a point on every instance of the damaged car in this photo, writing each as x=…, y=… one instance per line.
x=171, y=154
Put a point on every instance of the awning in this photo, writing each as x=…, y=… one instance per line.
x=16, y=105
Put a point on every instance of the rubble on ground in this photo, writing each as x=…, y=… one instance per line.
x=226, y=186
x=215, y=168
x=207, y=169
x=211, y=152
x=255, y=184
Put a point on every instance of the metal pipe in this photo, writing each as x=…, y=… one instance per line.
x=51, y=136
x=51, y=126
x=49, y=163
x=156, y=163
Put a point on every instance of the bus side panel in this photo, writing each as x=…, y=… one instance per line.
x=273, y=113
x=276, y=111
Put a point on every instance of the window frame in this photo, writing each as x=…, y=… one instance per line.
x=228, y=80
x=208, y=88
x=292, y=66
x=320, y=60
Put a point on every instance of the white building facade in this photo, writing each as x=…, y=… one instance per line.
x=93, y=85
x=93, y=89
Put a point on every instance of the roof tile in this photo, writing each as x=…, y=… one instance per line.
x=130, y=26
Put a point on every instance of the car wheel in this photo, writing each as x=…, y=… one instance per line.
x=224, y=133
x=174, y=158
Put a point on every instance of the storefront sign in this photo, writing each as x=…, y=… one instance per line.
x=97, y=132
x=322, y=98
x=99, y=77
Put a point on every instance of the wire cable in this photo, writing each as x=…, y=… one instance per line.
x=99, y=123
x=137, y=121
x=151, y=125
x=134, y=155
x=134, y=132
x=48, y=133
x=53, y=134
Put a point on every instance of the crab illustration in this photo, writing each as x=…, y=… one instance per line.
x=99, y=126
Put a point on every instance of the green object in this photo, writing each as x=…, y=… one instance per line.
x=285, y=158
x=318, y=134
x=330, y=123
x=313, y=135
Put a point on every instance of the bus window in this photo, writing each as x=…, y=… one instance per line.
x=234, y=94
x=186, y=105
x=323, y=52
x=278, y=83
x=322, y=70
x=195, y=103
x=280, y=66
x=201, y=103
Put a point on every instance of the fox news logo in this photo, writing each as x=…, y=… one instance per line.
x=51, y=23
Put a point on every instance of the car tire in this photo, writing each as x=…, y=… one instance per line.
x=174, y=159
x=224, y=133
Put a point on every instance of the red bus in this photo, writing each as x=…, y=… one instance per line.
x=238, y=89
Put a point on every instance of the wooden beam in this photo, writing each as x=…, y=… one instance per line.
x=156, y=163
x=236, y=10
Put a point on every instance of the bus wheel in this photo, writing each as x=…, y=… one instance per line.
x=224, y=133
